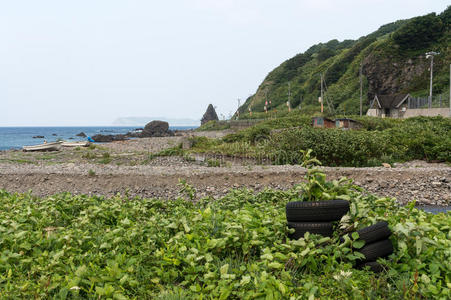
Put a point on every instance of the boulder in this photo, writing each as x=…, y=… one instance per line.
x=38, y=137
x=156, y=129
x=82, y=134
x=209, y=115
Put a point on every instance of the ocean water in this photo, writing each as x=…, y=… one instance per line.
x=17, y=137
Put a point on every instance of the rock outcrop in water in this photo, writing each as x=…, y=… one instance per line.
x=152, y=129
x=101, y=138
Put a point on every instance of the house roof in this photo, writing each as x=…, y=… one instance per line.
x=390, y=101
x=326, y=119
x=344, y=119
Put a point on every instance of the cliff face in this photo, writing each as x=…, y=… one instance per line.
x=387, y=76
x=392, y=60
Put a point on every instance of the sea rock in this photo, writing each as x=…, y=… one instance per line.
x=38, y=137
x=101, y=138
x=82, y=134
x=156, y=129
x=209, y=115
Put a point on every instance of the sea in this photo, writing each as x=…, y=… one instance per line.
x=17, y=137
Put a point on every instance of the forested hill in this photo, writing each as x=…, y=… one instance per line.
x=393, y=61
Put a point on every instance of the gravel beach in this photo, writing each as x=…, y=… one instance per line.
x=68, y=171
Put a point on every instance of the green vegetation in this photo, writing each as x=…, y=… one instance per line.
x=91, y=173
x=18, y=160
x=173, y=151
x=89, y=155
x=213, y=162
x=106, y=158
x=214, y=125
x=396, y=48
x=236, y=247
x=381, y=140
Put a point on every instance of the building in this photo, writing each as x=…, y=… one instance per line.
x=346, y=123
x=322, y=122
x=394, y=106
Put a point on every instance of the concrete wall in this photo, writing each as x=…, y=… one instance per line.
x=372, y=112
x=239, y=124
x=412, y=112
x=427, y=112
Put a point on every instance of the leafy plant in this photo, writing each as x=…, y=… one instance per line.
x=316, y=187
x=90, y=247
x=187, y=189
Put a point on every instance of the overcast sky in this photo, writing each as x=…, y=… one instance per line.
x=88, y=62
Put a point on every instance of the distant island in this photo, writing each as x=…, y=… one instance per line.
x=141, y=121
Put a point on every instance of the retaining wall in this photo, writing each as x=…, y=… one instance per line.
x=427, y=112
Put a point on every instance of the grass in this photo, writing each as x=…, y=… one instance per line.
x=173, y=151
x=17, y=160
x=106, y=158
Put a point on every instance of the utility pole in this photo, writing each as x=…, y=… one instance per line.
x=450, y=90
x=431, y=54
x=322, y=99
x=361, y=88
x=266, y=101
x=238, y=110
x=289, y=97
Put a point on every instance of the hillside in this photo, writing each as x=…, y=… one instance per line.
x=392, y=59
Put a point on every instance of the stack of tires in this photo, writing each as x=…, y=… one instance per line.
x=314, y=217
x=377, y=245
x=317, y=217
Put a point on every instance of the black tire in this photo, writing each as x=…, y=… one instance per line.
x=373, y=233
x=323, y=228
x=321, y=211
x=375, y=250
x=373, y=266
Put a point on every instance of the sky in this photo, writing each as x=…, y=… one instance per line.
x=89, y=62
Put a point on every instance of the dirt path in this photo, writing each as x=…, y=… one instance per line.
x=429, y=184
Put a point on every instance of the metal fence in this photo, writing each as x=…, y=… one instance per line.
x=438, y=101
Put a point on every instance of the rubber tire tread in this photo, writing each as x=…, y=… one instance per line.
x=375, y=250
x=316, y=211
x=322, y=228
x=373, y=265
x=373, y=233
